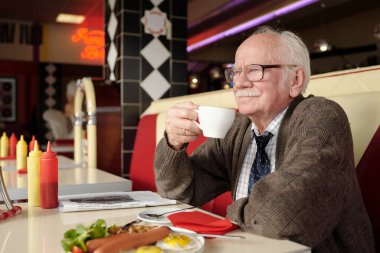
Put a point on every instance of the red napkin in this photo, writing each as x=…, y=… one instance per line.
x=202, y=223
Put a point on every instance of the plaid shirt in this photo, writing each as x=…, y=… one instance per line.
x=270, y=149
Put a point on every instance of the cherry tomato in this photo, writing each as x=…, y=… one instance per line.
x=76, y=249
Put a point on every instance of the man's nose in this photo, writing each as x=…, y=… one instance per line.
x=241, y=80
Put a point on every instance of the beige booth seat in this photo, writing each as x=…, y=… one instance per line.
x=356, y=90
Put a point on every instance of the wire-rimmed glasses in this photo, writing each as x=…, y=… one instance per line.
x=253, y=72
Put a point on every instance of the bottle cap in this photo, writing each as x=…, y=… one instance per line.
x=48, y=154
x=36, y=151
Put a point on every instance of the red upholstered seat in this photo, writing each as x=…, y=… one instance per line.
x=368, y=172
x=142, y=163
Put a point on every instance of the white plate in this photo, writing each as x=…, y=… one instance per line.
x=197, y=242
x=162, y=219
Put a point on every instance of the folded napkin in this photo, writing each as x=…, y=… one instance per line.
x=201, y=222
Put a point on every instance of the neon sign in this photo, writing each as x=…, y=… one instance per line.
x=93, y=41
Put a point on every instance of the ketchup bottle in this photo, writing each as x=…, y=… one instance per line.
x=12, y=146
x=49, y=179
x=31, y=143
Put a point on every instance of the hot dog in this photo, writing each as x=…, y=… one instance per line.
x=93, y=244
x=126, y=241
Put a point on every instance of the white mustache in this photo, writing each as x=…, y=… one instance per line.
x=247, y=93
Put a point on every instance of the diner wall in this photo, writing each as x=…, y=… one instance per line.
x=21, y=41
x=27, y=81
x=31, y=93
x=146, y=55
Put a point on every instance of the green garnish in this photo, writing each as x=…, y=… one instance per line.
x=81, y=234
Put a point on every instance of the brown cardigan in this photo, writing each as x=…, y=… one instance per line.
x=313, y=196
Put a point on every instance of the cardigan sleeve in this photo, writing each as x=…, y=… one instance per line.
x=304, y=198
x=194, y=179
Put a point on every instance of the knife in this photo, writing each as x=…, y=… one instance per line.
x=190, y=232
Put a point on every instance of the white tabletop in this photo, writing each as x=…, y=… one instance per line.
x=38, y=230
x=71, y=180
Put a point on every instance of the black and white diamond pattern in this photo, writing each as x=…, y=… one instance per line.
x=111, y=30
x=49, y=95
x=155, y=53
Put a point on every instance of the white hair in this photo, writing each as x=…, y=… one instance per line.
x=294, y=51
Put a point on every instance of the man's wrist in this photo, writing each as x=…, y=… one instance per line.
x=172, y=146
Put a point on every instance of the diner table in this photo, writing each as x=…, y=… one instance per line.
x=38, y=230
x=72, y=179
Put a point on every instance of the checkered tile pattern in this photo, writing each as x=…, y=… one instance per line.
x=146, y=55
x=50, y=95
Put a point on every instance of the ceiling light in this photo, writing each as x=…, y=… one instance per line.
x=251, y=23
x=321, y=45
x=194, y=81
x=69, y=18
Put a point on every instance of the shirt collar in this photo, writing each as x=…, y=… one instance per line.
x=273, y=126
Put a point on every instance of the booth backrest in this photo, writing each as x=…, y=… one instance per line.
x=357, y=91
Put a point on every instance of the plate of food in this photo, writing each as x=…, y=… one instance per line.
x=173, y=243
x=158, y=215
x=130, y=238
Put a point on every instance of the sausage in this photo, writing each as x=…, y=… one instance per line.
x=126, y=241
x=93, y=244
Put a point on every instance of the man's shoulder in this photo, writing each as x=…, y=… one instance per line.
x=320, y=103
x=319, y=107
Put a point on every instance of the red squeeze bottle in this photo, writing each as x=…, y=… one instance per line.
x=12, y=146
x=49, y=179
x=31, y=143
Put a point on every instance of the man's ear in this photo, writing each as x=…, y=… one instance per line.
x=297, y=83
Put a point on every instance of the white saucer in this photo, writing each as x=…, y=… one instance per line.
x=162, y=219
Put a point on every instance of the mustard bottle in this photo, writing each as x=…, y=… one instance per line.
x=4, y=143
x=33, y=163
x=21, y=154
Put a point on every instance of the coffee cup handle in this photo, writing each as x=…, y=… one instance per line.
x=199, y=125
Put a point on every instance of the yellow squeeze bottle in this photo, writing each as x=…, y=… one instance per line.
x=21, y=154
x=33, y=163
x=4, y=143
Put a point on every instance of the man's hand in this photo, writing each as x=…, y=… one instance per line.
x=180, y=126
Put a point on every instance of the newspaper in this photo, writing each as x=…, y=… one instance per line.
x=111, y=200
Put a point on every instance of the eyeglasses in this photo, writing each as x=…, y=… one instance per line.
x=253, y=72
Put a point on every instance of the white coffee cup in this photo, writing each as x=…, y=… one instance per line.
x=215, y=121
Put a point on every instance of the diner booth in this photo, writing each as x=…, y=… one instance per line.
x=356, y=90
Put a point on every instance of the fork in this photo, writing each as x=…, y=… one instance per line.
x=155, y=215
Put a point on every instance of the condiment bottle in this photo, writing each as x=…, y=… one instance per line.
x=33, y=163
x=12, y=146
x=31, y=143
x=49, y=179
x=21, y=154
x=4, y=143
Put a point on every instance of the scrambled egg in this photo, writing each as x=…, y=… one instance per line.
x=178, y=242
x=148, y=249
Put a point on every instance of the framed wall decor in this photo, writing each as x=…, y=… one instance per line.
x=7, y=99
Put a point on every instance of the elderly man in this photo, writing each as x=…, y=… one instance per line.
x=288, y=160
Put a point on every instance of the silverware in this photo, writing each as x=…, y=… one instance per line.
x=190, y=232
x=221, y=236
x=126, y=226
x=154, y=215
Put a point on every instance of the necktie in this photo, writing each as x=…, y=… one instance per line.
x=261, y=164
